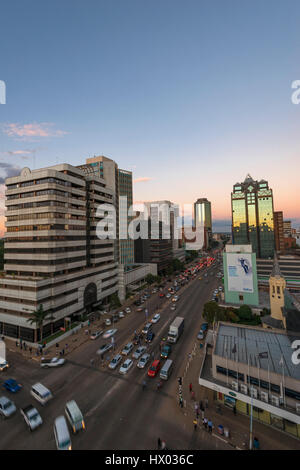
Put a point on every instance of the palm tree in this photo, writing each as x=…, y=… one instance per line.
x=38, y=317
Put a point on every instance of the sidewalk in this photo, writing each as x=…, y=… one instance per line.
x=238, y=425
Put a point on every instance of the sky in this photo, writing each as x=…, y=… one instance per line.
x=191, y=95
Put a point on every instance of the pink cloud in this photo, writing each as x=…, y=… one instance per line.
x=142, y=180
x=33, y=130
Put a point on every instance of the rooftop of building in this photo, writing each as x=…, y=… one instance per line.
x=244, y=344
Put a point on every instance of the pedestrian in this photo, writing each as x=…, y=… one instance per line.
x=197, y=413
x=191, y=387
x=195, y=423
x=181, y=402
x=210, y=426
x=92, y=362
x=201, y=406
x=159, y=443
x=205, y=422
x=66, y=345
x=234, y=410
x=193, y=395
x=17, y=344
x=163, y=445
x=21, y=347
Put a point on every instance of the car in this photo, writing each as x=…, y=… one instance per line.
x=173, y=307
x=139, y=351
x=104, y=348
x=204, y=326
x=168, y=296
x=3, y=364
x=156, y=318
x=115, y=361
x=161, y=294
x=96, y=334
x=52, y=362
x=32, y=417
x=220, y=289
x=127, y=349
x=200, y=335
x=7, y=407
x=143, y=361
x=150, y=336
x=107, y=321
x=121, y=315
x=126, y=366
x=166, y=351
x=140, y=309
x=127, y=310
x=110, y=333
x=154, y=369
x=12, y=385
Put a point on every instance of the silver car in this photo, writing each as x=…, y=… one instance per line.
x=143, y=361
x=140, y=350
x=115, y=361
x=7, y=407
x=127, y=349
x=126, y=366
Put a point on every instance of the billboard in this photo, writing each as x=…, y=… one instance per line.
x=239, y=272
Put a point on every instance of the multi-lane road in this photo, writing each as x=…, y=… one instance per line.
x=118, y=413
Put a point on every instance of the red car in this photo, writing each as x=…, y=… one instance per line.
x=161, y=295
x=154, y=369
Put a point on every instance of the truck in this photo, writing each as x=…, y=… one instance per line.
x=175, y=330
x=32, y=417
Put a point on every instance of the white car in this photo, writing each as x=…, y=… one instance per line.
x=127, y=349
x=220, y=289
x=140, y=350
x=96, y=334
x=110, y=333
x=143, y=361
x=7, y=407
x=168, y=296
x=156, y=318
x=173, y=307
x=127, y=310
x=3, y=364
x=121, y=315
x=126, y=366
x=32, y=417
x=107, y=321
x=115, y=361
x=54, y=362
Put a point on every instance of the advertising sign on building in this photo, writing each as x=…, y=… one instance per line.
x=239, y=272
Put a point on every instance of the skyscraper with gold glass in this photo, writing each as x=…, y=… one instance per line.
x=252, y=216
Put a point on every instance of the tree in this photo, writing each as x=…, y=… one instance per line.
x=38, y=317
x=210, y=311
x=114, y=300
x=244, y=312
x=150, y=278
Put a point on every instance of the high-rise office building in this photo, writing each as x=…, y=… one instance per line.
x=52, y=255
x=287, y=228
x=278, y=231
x=120, y=182
x=252, y=216
x=202, y=217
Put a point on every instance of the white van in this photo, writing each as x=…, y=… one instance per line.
x=41, y=393
x=61, y=434
x=166, y=369
x=74, y=416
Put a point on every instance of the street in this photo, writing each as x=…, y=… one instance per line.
x=118, y=413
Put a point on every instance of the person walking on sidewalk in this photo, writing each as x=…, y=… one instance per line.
x=193, y=395
x=191, y=387
x=195, y=423
x=210, y=426
x=205, y=423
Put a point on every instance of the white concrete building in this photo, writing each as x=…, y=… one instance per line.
x=52, y=254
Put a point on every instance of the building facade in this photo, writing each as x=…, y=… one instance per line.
x=52, y=255
x=278, y=231
x=240, y=275
x=203, y=218
x=120, y=182
x=252, y=216
x=250, y=369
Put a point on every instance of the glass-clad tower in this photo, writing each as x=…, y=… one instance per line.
x=252, y=216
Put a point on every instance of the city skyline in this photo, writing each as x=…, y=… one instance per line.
x=190, y=114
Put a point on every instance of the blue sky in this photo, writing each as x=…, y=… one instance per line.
x=190, y=95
